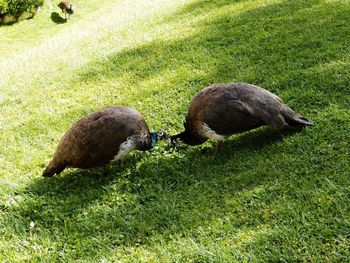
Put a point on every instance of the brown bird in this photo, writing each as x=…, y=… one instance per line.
x=221, y=110
x=105, y=135
x=67, y=8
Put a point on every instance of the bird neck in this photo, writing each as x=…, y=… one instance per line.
x=154, y=138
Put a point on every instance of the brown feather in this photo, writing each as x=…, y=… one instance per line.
x=233, y=108
x=64, y=5
x=95, y=140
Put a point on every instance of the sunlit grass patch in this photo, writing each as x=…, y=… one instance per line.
x=266, y=196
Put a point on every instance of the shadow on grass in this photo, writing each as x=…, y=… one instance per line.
x=174, y=195
x=276, y=46
x=157, y=197
x=56, y=18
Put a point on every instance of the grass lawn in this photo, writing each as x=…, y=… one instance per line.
x=266, y=196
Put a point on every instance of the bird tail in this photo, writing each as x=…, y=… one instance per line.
x=294, y=119
x=54, y=168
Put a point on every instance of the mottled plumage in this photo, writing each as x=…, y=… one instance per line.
x=221, y=110
x=105, y=135
x=67, y=8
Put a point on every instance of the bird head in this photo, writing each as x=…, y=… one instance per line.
x=186, y=137
x=175, y=140
x=158, y=136
x=71, y=9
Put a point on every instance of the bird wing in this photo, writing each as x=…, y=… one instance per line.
x=230, y=115
x=91, y=142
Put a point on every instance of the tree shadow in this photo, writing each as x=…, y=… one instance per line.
x=149, y=198
x=57, y=19
x=165, y=195
x=233, y=47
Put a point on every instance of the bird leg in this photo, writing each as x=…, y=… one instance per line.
x=217, y=147
x=121, y=163
x=104, y=171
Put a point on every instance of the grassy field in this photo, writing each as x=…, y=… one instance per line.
x=266, y=196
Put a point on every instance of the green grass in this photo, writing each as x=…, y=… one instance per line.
x=266, y=196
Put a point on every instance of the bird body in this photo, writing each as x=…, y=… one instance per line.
x=105, y=135
x=66, y=7
x=221, y=110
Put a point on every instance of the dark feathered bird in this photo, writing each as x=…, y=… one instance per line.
x=67, y=8
x=105, y=135
x=221, y=110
